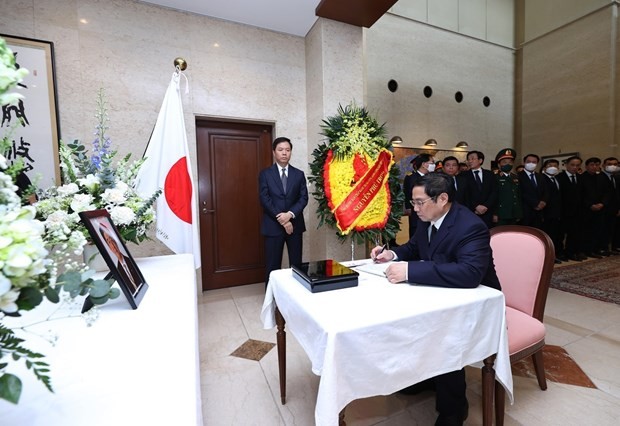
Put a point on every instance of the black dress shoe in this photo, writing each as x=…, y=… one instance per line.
x=582, y=256
x=563, y=258
x=576, y=258
x=558, y=261
x=594, y=255
x=455, y=419
x=604, y=253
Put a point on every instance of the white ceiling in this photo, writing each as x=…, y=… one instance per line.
x=286, y=16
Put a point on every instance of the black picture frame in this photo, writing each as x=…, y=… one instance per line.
x=123, y=267
x=36, y=139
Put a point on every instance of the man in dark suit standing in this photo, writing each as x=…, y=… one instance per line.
x=552, y=213
x=283, y=195
x=533, y=192
x=422, y=164
x=478, y=188
x=451, y=248
x=570, y=193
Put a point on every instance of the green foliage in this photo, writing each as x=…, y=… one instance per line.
x=353, y=130
x=11, y=385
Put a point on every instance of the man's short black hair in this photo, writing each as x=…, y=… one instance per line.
x=571, y=158
x=550, y=160
x=419, y=160
x=479, y=154
x=593, y=160
x=609, y=159
x=450, y=158
x=532, y=155
x=279, y=140
x=436, y=184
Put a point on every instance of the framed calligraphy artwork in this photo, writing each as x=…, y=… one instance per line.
x=32, y=124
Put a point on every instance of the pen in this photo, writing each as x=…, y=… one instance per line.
x=381, y=251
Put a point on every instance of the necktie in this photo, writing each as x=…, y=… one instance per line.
x=433, y=232
x=554, y=182
x=572, y=180
x=478, y=180
x=613, y=181
x=533, y=179
x=284, y=179
x=454, y=182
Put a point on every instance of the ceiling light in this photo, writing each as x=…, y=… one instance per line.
x=396, y=140
x=430, y=142
x=462, y=144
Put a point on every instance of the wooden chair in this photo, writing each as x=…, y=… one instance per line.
x=524, y=259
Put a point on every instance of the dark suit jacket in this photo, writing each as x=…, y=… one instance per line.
x=459, y=256
x=531, y=196
x=470, y=196
x=553, y=209
x=571, y=195
x=274, y=200
x=408, y=184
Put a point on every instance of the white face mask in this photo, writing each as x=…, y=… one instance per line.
x=611, y=169
x=552, y=171
x=530, y=167
x=431, y=167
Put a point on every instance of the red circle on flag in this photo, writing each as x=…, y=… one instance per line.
x=178, y=191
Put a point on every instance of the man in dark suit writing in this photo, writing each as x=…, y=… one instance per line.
x=283, y=195
x=451, y=248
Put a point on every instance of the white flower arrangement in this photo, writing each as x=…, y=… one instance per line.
x=91, y=183
x=34, y=256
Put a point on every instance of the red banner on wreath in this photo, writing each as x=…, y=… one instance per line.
x=352, y=208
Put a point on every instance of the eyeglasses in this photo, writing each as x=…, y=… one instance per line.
x=420, y=203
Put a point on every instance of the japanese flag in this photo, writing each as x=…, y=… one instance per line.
x=167, y=167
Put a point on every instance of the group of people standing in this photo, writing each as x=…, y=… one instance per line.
x=578, y=208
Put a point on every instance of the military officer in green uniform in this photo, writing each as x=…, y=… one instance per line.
x=508, y=210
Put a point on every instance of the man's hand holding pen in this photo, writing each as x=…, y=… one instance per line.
x=379, y=254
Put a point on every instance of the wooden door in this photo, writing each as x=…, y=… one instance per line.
x=230, y=157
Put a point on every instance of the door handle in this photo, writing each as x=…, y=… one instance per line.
x=205, y=211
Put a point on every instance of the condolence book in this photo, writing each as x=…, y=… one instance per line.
x=324, y=275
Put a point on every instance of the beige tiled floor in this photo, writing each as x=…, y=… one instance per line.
x=237, y=391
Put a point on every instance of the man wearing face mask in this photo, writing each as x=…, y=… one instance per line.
x=509, y=210
x=422, y=164
x=552, y=213
x=611, y=212
x=533, y=192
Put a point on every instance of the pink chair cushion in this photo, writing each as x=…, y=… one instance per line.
x=523, y=330
x=519, y=259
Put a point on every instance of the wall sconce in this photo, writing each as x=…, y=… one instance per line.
x=430, y=142
x=396, y=140
x=462, y=144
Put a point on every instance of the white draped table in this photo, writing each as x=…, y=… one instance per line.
x=131, y=367
x=378, y=338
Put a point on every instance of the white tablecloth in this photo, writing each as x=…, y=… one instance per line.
x=132, y=367
x=377, y=338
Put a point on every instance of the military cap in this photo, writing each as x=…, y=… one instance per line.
x=506, y=153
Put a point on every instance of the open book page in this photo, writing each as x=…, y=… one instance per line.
x=374, y=268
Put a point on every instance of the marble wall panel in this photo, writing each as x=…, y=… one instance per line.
x=544, y=16
x=568, y=89
x=448, y=63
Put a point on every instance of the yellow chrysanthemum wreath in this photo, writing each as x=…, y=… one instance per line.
x=356, y=181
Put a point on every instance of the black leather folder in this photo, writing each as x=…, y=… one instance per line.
x=325, y=275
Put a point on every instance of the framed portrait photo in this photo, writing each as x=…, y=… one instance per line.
x=122, y=266
x=32, y=123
